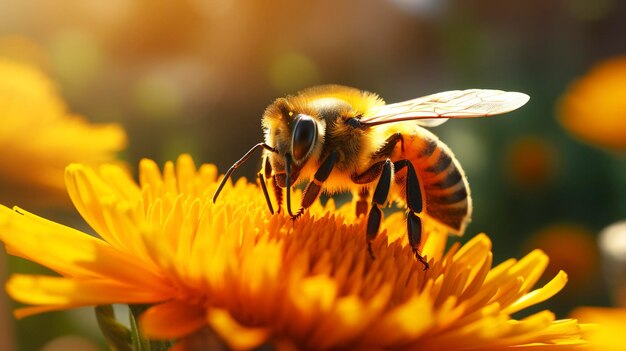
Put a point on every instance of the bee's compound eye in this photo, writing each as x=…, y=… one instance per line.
x=303, y=138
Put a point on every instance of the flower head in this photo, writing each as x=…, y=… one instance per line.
x=41, y=134
x=253, y=277
x=594, y=108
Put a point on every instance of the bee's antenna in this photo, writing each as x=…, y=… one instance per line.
x=241, y=161
x=288, y=182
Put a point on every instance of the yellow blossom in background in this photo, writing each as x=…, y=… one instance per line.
x=254, y=278
x=39, y=137
x=594, y=107
x=609, y=327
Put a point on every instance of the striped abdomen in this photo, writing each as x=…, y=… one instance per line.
x=444, y=185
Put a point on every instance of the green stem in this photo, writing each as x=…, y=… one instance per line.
x=117, y=336
x=140, y=343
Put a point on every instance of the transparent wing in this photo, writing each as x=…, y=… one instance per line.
x=433, y=110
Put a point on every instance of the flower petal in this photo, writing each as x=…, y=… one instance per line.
x=402, y=324
x=539, y=295
x=608, y=328
x=71, y=252
x=235, y=335
x=171, y=320
x=68, y=293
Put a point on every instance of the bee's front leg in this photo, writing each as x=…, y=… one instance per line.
x=314, y=188
x=267, y=170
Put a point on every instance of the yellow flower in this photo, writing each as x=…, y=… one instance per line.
x=39, y=137
x=607, y=333
x=255, y=278
x=594, y=106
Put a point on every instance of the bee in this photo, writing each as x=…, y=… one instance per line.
x=338, y=138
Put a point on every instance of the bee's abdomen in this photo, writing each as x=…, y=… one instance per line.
x=446, y=191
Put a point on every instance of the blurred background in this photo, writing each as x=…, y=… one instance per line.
x=195, y=76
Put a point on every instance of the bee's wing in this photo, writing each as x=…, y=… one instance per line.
x=433, y=110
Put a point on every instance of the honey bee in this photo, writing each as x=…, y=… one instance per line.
x=339, y=138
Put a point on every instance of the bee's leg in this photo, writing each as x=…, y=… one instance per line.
x=361, y=204
x=236, y=165
x=278, y=192
x=314, y=188
x=414, y=228
x=376, y=169
x=267, y=195
x=267, y=169
x=370, y=175
x=390, y=144
x=380, y=197
x=366, y=177
x=415, y=204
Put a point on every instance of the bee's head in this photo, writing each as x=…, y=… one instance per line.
x=295, y=131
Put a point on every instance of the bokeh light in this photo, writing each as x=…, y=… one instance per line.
x=292, y=71
x=612, y=243
x=532, y=162
x=157, y=97
x=594, y=106
x=77, y=60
